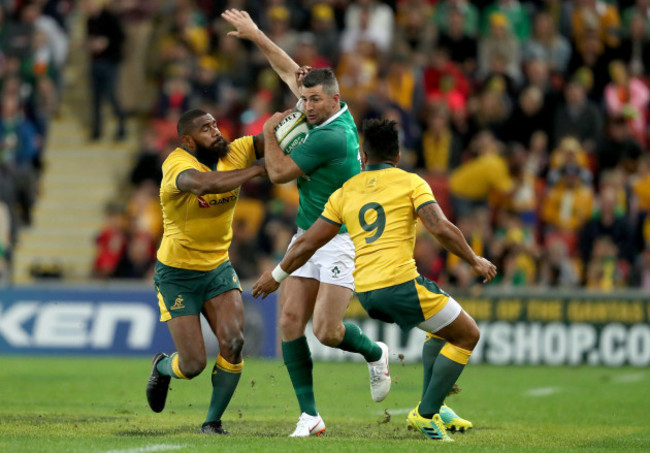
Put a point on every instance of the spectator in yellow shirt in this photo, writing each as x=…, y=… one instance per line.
x=596, y=15
x=472, y=184
x=568, y=204
x=569, y=152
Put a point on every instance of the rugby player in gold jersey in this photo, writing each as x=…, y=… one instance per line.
x=199, y=191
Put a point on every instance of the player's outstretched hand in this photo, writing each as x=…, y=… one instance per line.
x=242, y=21
x=302, y=72
x=274, y=120
x=265, y=285
x=485, y=268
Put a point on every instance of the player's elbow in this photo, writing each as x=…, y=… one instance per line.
x=274, y=177
x=441, y=229
x=277, y=176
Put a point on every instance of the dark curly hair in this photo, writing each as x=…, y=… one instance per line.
x=186, y=121
x=380, y=141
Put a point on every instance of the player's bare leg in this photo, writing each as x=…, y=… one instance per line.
x=188, y=339
x=225, y=314
x=331, y=303
x=187, y=362
x=329, y=328
x=297, y=299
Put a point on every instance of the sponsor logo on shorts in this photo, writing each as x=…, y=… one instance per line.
x=178, y=304
x=234, y=277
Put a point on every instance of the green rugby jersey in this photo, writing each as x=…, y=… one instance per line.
x=329, y=156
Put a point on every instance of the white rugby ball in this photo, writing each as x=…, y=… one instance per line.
x=291, y=131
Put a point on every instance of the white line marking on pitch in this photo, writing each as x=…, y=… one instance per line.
x=395, y=411
x=159, y=447
x=543, y=391
x=629, y=377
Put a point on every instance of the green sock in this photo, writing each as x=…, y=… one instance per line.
x=430, y=350
x=446, y=370
x=355, y=340
x=297, y=358
x=169, y=367
x=225, y=377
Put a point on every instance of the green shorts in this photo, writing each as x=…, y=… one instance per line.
x=183, y=292
x=407, y=304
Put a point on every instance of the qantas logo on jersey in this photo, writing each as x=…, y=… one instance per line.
x=202, y=202
x=205, y=204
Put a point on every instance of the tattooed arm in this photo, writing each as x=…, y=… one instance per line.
x=451, y=238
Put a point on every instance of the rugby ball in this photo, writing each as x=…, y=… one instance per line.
x=291, y=131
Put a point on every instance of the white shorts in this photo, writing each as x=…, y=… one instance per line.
x=443, y=318
x=333, y=263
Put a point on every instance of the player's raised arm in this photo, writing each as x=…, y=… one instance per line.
x=280, y=61
x=451, y=238
x=319, y=234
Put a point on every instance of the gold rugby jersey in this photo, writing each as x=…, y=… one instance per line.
x=198, y=229
x=379, y=206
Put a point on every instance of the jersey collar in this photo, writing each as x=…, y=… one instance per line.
x=212, y=167
x=379, y=166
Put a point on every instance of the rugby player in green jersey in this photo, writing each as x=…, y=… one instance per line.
x=193, y=275
x=322, y=288
x=380, y=208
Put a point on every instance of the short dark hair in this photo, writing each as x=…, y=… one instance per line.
x=322, y=76
x=186, y=121
x=380, y=140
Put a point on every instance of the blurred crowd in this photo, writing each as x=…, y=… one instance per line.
x=33, y=51
x=529, y=119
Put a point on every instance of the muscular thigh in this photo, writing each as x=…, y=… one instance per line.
x=187, y=336
x=331, y=303
x=225, y=314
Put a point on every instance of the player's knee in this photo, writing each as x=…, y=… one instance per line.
x=327, y=335
x=231, y=348
x=193, y=367
x=291, y=326
x=471, y=337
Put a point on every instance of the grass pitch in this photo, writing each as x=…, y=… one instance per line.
x=98, y=405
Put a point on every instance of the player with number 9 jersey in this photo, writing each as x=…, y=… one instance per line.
x=383, y=230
